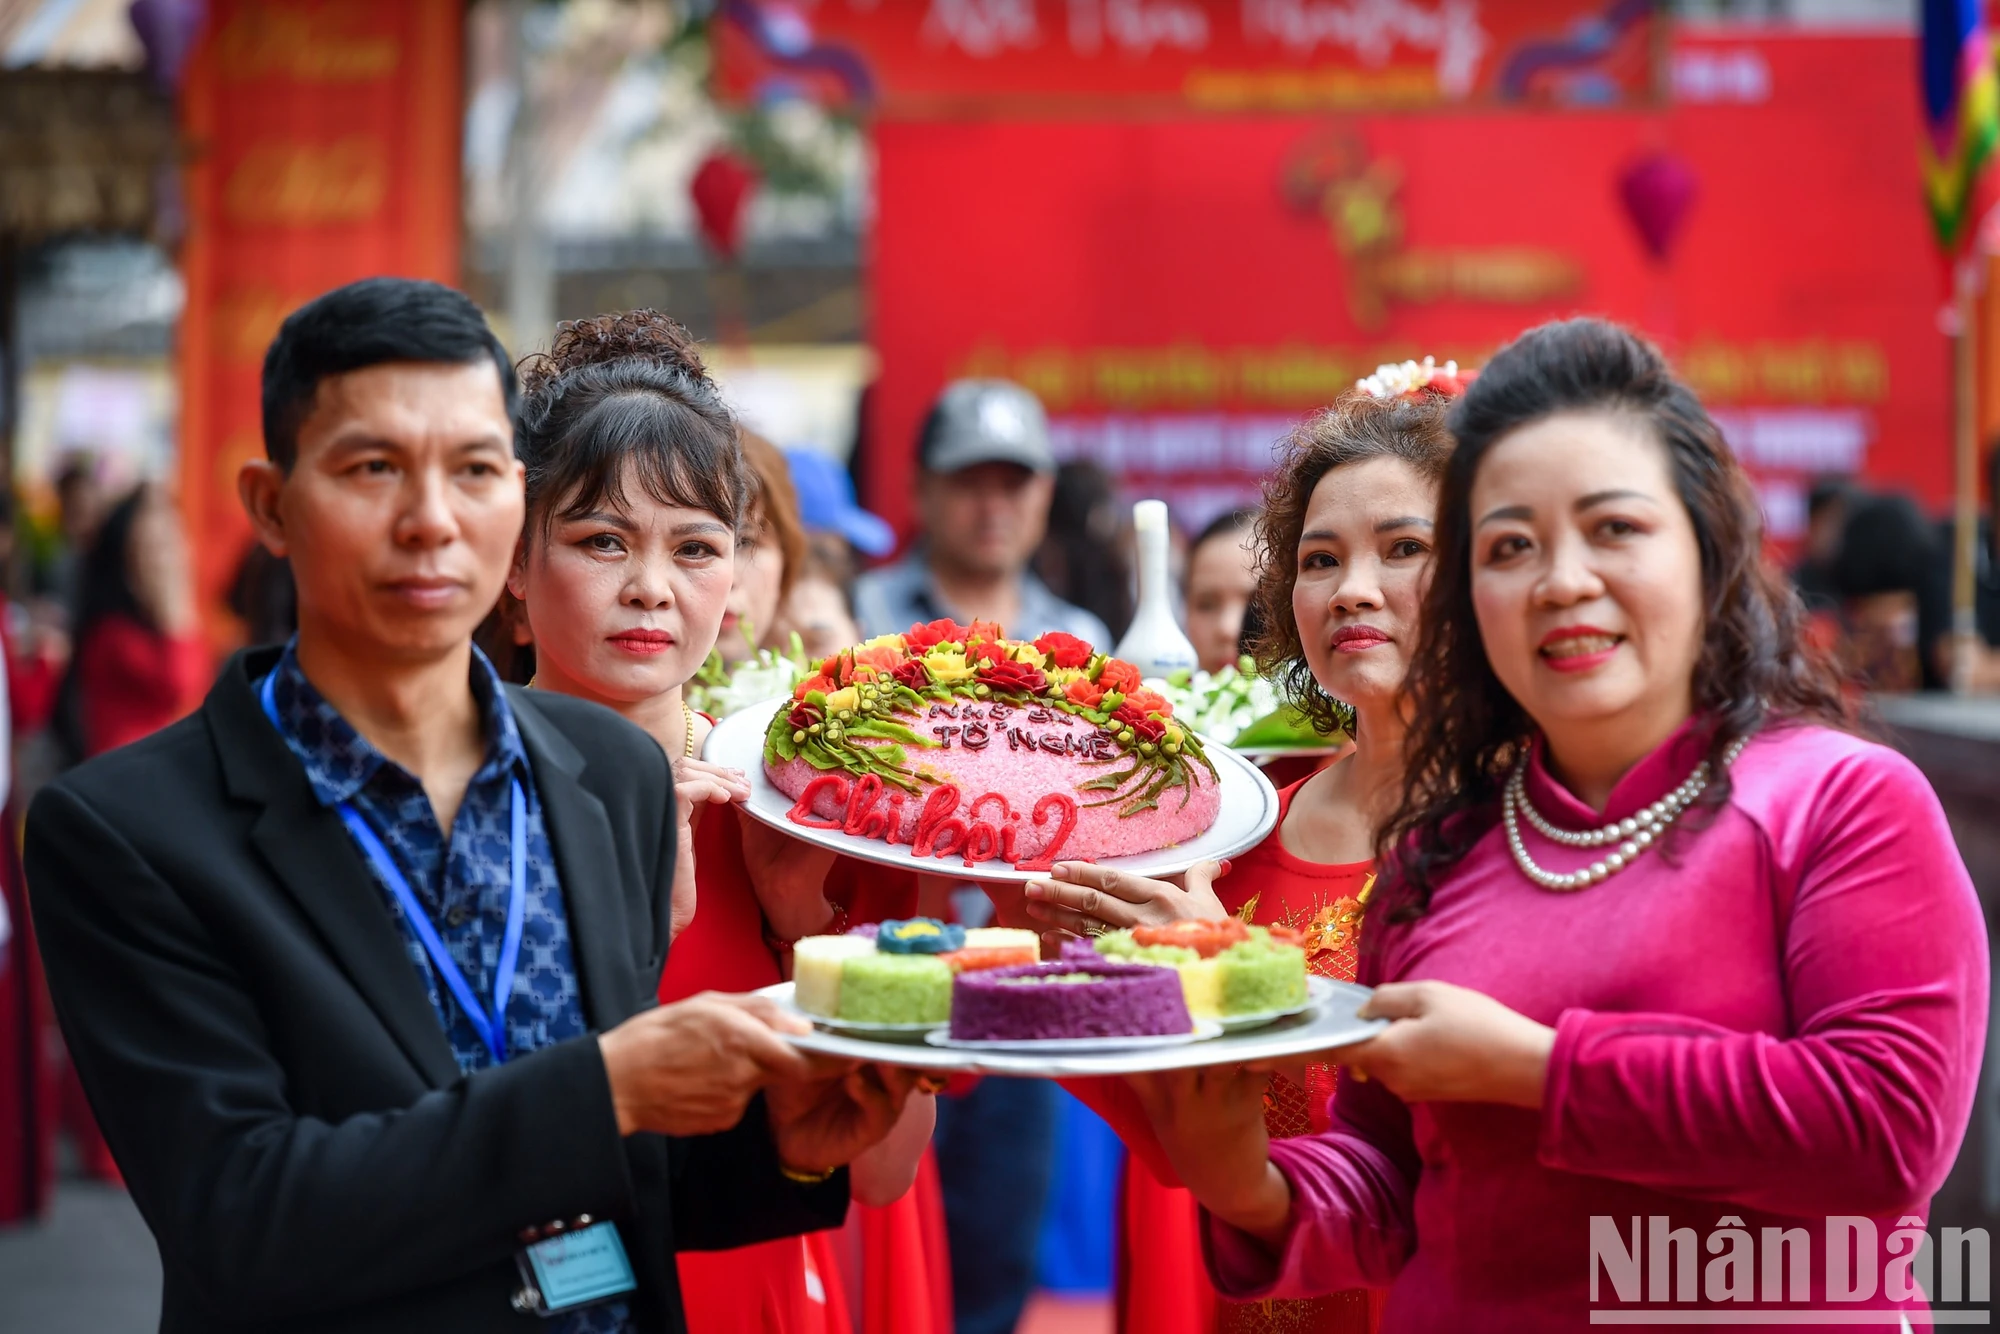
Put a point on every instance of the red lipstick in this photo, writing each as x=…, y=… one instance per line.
x=1357, y=639
x=645, y=642
x=1577, y=648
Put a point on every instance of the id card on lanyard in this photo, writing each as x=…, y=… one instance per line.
x=575, y=1267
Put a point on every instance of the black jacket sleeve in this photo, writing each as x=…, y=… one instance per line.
x=727, y=1189
x=267, y=1213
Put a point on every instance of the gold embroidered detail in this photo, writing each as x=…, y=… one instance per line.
x=1247, y=914
x=1333, y=929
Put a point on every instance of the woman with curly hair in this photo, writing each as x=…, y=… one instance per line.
x=1658, y=939
x=638, y=494
x=1345, y=546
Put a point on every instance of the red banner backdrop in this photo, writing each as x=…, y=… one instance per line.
x=1179, y=291
x=1230, y=55
x=328, y=136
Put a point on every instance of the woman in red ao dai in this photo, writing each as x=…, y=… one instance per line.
x=1774, y=1019
x=637, y=491
x=1345, y=545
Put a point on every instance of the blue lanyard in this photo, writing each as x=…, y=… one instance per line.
x=492, y=1028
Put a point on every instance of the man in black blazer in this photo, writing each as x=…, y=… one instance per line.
x=311, y=1134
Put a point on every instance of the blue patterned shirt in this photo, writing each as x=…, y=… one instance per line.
x=463, y=880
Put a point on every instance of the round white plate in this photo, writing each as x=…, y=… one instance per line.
x=1287, y=752
x=1249, y=812
x=880, y=1032
x=1330, y=1023
x=1204, y=1029
x=1317, y=989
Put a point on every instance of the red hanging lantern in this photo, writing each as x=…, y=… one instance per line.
x=1658, y=190
x=721, y=191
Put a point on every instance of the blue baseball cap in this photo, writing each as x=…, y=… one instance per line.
x=826, y=502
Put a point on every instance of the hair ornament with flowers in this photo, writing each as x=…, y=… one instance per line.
x=1411, y=379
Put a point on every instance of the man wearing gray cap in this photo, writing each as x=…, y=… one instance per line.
x=985, y=478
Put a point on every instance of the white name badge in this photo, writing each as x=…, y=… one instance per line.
x=573, y=1269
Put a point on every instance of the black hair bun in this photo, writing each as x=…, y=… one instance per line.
x=633, y=335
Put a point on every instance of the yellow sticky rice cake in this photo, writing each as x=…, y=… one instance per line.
x=1252, y=976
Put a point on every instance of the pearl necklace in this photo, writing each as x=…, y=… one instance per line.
x=1633, y=834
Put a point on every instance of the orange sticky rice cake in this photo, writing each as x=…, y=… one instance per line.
x=969, y=747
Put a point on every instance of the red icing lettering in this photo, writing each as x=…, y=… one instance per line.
x=982, y=841
x=942, y=801
x=801, y=811
x=859, y=804
x=942, y=831
x=948, y=837
x=1066, y=809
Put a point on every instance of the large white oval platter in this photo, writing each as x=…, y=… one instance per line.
x=1330, y=1023
x=1249, y=812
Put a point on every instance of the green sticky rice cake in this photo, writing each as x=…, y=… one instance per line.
x=1252, y=976
x=895, y=989
x=1259, y=975
x=1119, y=945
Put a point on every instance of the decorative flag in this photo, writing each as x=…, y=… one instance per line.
x=1961, y=111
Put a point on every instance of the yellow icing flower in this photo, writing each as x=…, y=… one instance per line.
x=887, y=641
x=1029, y=654
x=846, y=698
x=1062, y=676
x=948, y=669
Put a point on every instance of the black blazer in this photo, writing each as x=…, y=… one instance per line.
x=274, y=1082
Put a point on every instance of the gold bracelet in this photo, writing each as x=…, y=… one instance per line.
x=806, y=1178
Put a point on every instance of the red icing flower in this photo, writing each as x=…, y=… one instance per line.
x=911, y=673
x=1081, y=691
x=804, y=714
x=1144, y=729
x=1143, y=702
x=987, y=630
x=985, y=651
x=882, y=657
x=1006, y=674
x=822, y=683
x=1119, y=675
x=921, y=637
x=1063, y=650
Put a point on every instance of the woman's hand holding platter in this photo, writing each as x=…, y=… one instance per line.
x=1085, y=899
x=1448, y=1043
x=697, y=784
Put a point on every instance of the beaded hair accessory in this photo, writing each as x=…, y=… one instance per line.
x=1414, y=379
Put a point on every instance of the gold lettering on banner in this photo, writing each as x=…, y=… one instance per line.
x=313, y=43
x=247, y=319
x=290, y=183
x=1189, y=376
x=1310, y=90
x=1811, y=371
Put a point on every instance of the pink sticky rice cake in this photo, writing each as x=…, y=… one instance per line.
x=1072, y=999
x=968, y=747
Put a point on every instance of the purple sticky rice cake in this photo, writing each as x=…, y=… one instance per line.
x=1080, y=998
